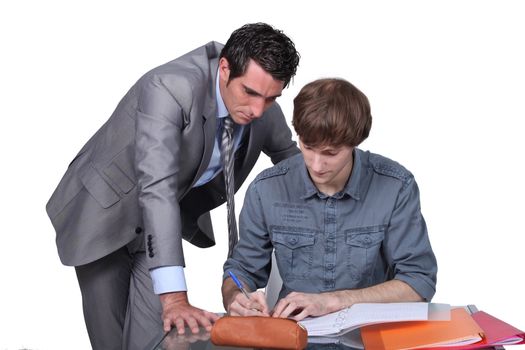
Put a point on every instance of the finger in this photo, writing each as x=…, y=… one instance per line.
x=301, y=315
x=259, y=311
x=192, y=323
x=253, y=305
x=289, y=309
x=244, y=307
x=253, y=312
x=166, y=324
x=242, y=300
x=233, y=313
x=260, y=298
x=198, y=317
x=234, y=309
x=179, y=323
x=212, y=316
x=279, y=307
x=204, y=321
x=252, y=302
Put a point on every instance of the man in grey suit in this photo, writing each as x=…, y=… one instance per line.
x=151, y=174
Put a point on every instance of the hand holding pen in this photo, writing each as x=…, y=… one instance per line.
x=244, y=304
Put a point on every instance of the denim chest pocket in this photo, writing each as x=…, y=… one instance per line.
x=294, y=249
x=363, y=246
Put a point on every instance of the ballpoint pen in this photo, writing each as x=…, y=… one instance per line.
x=239, y=285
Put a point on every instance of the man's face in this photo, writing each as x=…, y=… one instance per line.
x=329, y=167
x=248, y=96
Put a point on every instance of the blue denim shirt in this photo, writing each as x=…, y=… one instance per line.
x=370, y=232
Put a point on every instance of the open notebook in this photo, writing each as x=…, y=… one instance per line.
x=358, y=315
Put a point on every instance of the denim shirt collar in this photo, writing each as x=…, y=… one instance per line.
x=352, y=187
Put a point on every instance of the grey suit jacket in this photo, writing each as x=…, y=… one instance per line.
x=136, y=173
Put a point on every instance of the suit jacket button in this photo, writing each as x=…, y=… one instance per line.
x=138, y=230
x=151, y=255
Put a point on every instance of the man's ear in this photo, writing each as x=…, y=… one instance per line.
x=224, y=70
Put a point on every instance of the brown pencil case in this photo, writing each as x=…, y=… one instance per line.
x=259, y=332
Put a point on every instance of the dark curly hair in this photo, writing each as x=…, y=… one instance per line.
x=268, y=47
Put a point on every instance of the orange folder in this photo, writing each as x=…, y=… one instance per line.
x=460, y=330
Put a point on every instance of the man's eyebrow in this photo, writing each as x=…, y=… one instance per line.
x=255, y=93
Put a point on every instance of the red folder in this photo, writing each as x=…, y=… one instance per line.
x=496, y=332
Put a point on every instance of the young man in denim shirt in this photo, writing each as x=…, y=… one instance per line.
x=345, y=224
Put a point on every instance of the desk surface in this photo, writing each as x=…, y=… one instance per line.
x=201, y=341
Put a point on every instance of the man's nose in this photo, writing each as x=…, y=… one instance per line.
x=258, y=106
x=317, y=162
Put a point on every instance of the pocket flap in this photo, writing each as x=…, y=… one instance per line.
x=293, y=240
x=365, y=237
x=98, y=188
x=119, y=178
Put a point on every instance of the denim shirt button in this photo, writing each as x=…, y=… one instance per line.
x=293, y=240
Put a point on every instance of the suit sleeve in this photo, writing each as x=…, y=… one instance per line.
x=158, y=140
x=279, y=144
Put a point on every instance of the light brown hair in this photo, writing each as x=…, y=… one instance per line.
x=331, y=112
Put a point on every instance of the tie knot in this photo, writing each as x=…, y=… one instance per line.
x=228, y=123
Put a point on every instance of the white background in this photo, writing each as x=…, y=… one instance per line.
x=445, y=80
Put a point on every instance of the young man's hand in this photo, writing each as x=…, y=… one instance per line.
x=297, y=305
x=242, y=306
x=237, y=304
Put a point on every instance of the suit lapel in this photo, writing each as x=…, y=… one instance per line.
x=209, y=124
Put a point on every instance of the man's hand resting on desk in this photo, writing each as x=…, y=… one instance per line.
x=177, y=311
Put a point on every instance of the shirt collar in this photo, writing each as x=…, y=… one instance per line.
x=309, y=187
x=352, y=185
x=222, y=111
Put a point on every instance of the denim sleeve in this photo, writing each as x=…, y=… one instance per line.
x=252, y=256
x=407, y=247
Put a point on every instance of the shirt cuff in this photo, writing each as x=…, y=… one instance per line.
x=168, y=279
